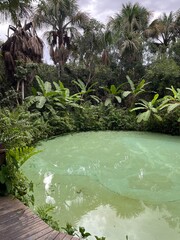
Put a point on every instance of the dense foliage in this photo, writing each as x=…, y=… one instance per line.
x=124, y=75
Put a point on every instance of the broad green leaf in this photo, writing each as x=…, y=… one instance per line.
x=41, y=100
x=47, y=86
x=144, y=116
x=126, y=93
x=118, y=99
x=40, y=83
x=141, y=84
x=80, y=84
x=155, y=98
x=108, y=101
x=130, y=83
x=173, y=106
x=154, y=110
x=113, y=89
x=147, y=115
x=158, y=117
x=56, y=86
x=140, y=117
x=61, y=85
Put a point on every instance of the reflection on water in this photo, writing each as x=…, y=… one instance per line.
x=112, y=183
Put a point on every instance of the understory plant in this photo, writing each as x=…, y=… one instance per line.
x=11, y=177
x=44, y=213
x=170, y=102
x=150, y=109
x=80, y=232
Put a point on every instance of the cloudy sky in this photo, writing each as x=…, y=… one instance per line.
x=103, y=9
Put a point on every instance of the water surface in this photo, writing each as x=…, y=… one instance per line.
x=112, y=183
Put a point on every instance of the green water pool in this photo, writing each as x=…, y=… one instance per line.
x=112, y=183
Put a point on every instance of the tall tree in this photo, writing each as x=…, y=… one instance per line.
x=62, y=16
x=163, y=31
x=15, y=9
x=127, y=27
x=88, y=46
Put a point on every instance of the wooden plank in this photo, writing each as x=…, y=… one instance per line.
x=40, y=234
x=18, y=222
x=51, y=236
x=61, y=236
x=18, y=229
x=19, y=219
x=27, y=232
x=65, y=236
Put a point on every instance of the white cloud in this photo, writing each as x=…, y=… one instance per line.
x=102, y=10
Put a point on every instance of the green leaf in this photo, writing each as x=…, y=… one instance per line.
x=137, y=108
x=158, y=117
x=130, y=83
x=80, y=84
x=141, y=84
x=118, y=99
x=155, y=98
x=126, y=93
x=139, y=117
x=173, y=106
x=40, y=83
x=113, y=89
x=40, y=101
x=56, y=86
x=47, y=86
x=154, y=110
x=145, y=103
x=147, y=115
x=60, y=105
x=108, y=101
x=143, y=116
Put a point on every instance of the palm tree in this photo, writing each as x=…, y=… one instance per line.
x=15, y=9
x=20, y=51
x=127, y=27
x=62, y=16
x=164, y=30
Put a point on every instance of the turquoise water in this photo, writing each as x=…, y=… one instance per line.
x=112, y=183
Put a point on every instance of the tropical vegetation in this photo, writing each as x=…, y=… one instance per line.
x=123, y=75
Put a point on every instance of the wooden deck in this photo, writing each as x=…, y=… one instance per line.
x=18, y=222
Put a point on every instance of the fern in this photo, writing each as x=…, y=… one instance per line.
x=20, y=155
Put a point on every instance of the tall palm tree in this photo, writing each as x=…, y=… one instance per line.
x=15, y=9
x=62, y=16
x=164, y=30
x=127, y=27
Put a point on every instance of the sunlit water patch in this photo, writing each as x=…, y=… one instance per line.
x=112, y=183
